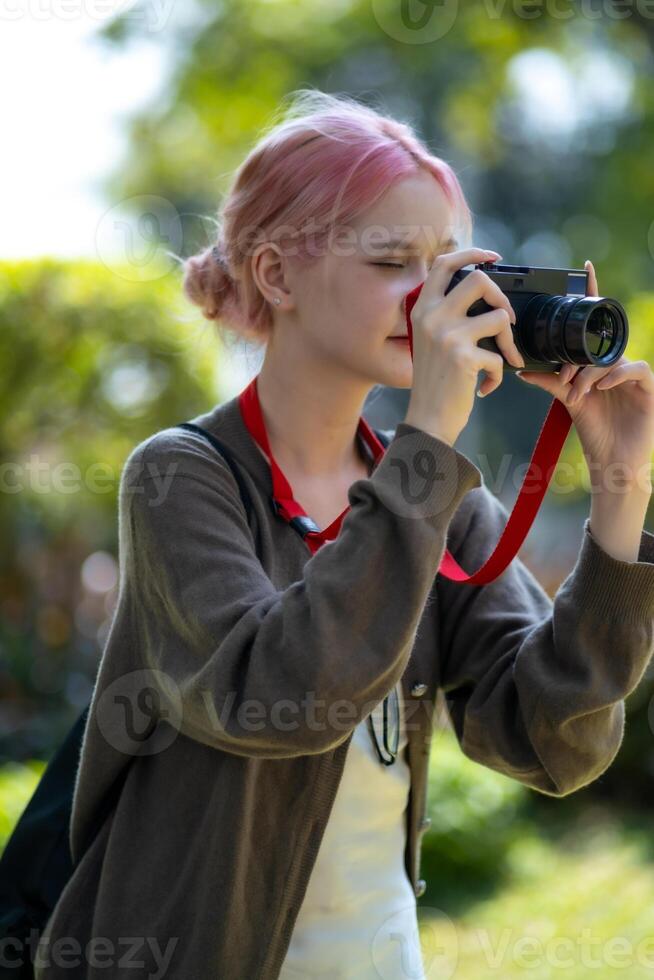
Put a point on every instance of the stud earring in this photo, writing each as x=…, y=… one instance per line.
x=277, y=300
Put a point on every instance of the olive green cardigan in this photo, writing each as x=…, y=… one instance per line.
x=238, y=664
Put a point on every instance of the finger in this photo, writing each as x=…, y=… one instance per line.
x=546, y=380
x=555, y=383
x=571, y=372
x=477, y=285
x=443, y=268
x=591, y=285
x=567, y=372
x=633, y=371
x=587, y=377
x=493, y=366
x=495, y=324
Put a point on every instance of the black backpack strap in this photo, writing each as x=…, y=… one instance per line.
x=222, y=449
x=36, y=862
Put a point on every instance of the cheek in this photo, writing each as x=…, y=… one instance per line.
x=349, y=295
x=370, y=300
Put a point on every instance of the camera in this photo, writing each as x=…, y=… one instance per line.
x=556, y=323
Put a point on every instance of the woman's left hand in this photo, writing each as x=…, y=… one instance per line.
x=612, y=407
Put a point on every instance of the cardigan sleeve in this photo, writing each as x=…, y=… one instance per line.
x=252, y=669
x=535, y=688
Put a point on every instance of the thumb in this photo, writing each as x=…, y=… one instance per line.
x=548, y=382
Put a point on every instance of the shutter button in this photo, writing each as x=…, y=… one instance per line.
x=418, y=690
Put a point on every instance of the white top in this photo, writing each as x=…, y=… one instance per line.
x=358, y=919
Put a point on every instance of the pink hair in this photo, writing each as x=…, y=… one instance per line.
x=326, y=160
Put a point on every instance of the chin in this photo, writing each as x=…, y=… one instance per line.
x=401, y=377
x=399, y=364
x=393, y=369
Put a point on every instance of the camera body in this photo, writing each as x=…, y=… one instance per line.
x=556, y=322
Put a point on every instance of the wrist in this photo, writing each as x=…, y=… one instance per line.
x=617, y=521
x=429, y=426
x=628, y=499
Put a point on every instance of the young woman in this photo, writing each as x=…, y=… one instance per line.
x=268, y=823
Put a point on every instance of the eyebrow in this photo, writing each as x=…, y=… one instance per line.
x=394, y=243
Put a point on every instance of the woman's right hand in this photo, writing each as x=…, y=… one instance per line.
x=446, y=357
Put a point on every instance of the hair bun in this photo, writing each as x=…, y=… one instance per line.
x=219, y=257
x=209, y=284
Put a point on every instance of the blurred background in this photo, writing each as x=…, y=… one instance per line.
x=122, y=128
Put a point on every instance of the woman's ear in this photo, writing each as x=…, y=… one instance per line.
x=269, y=273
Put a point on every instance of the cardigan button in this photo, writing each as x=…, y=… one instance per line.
x=425, y=824
x=421, y=887
x=418, y=690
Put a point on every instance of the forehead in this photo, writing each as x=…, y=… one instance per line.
x=415, y=210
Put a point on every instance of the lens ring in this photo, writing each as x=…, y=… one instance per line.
x=553, y=328
x=602, y=327
x=576, y=329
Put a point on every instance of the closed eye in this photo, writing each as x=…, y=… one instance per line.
x=389, y=265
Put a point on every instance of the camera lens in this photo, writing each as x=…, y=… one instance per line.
x=576, y=329
x=601, y=330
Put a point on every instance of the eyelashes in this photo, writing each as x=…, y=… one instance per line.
x=398, y=265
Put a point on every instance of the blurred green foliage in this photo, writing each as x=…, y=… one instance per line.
x=573, y=908
x=513, y=891
x=18, y=780
x=91, y=362
x=477, y=816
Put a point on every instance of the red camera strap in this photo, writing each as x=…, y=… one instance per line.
x=283, y=502
x=541, y=468
x=534, y=486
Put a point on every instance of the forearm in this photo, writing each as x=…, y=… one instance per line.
x=617, y=521
x=535, y=687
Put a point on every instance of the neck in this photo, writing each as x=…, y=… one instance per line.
x=311, y=419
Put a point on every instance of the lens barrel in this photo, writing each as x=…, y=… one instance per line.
x=577, y=329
